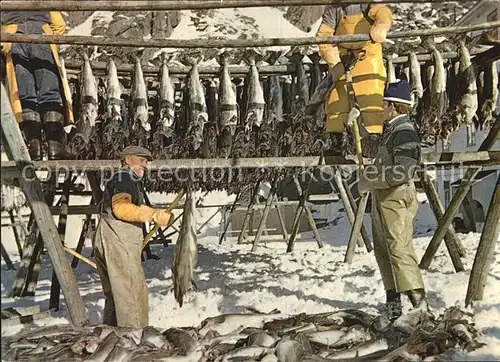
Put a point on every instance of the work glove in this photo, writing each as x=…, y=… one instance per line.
x=382, y=17
x=162, y=218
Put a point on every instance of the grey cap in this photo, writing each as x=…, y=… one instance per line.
x=136, y=151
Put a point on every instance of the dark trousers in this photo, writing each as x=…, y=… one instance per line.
x=37, y=77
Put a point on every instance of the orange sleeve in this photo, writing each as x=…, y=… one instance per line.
x=125, y=210
x=382, y=16
x=57, y=23
x=329, y=52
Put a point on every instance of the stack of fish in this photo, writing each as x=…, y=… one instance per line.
x=347, y=335
x=449, y=94
x=262, y=115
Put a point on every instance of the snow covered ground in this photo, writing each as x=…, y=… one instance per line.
x=232, y=278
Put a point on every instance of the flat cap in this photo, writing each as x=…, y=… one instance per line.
x=136, y=151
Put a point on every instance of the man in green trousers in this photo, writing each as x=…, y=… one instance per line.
x=394, y=201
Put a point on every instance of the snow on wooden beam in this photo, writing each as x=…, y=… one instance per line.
x=145, y=5
x=231, y=43
x=239, y=69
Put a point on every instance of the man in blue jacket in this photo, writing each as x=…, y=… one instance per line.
x=394, y=201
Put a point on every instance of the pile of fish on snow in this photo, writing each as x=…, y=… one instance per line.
x=340, y=335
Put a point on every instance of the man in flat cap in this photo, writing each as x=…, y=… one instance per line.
x=394, y=201
x=118, y=241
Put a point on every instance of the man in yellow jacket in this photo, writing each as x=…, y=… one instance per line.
x=118, y=241
x=368, y=74
x=38, y=90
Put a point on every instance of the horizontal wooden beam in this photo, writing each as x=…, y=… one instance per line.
x=154, y=5
x=175, y=70
x=12, y=170
x=231, y=43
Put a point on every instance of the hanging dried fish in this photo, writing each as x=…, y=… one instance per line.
x=391, y=72
x=228, y=108
x=186, y=251
x=463, y=112
x=434, y=106
x=197, y=114
x=488, y=108
x=166, y=100
x=417, y=88
x=139, y=106
x=88, y=112
x=301, y=89
x=255, y=101
x=115, y=131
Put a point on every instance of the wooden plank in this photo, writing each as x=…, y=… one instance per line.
x=55, y=288
x=455, y=248
x=337, y=178
x=17, y=150
x=226, y=221
x=232, y=43
x=81, y=240
x=309, y=216
x=289, y=68
x=26, y=319
x=159, y=5
x=6, y=258
x=246, y=220
x=429, y=158
x=267, y=208
x=462, y=191
x=18, y=229
x=298, y=214
x=485, y=250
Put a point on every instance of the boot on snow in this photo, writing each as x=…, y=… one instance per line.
x=393, y=304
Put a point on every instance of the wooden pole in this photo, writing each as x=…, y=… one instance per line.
x=246, y=220
x=265, y=214
x=231, y=43
x=457, y=199
x=455, y=248
x=439, y=160
x=356, y=229
x=158, y=5
x=364, y=234
x=55, y=288
x=5, y=256
x=81, y=240
x=281, y=220
x=298, y=214
x=485, y=250
x=309, y=215
x=288, y=68
x=18, y=151
x=226, y=222
x=445, y=221
x=345, y=200
x=18, y=229
x=26, y=261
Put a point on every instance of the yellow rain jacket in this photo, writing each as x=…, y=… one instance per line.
x=56, y=26
x=369, y=74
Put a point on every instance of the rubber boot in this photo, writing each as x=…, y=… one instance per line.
x=54, y=133
x=417, y=298
x=393, y=305
x=32, y=130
